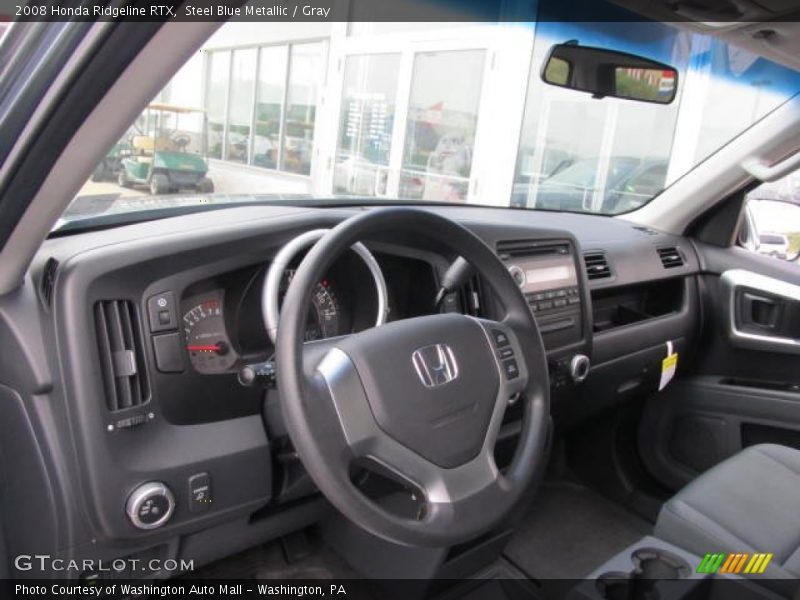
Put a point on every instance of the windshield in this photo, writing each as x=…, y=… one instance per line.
x=583, y=173
x=440, y=112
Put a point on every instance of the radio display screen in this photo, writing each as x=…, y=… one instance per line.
x=542, y=274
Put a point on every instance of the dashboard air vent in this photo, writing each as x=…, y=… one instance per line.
x=596, y=265
x=121, y=354
x=670, y=257
x=508, y=249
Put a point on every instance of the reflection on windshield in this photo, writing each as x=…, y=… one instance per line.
x=608, y=186
x=435, y=112
x=583, y=173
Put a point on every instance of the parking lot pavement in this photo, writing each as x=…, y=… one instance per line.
x=96, y=188
x=228, y=178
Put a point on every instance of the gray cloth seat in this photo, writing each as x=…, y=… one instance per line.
x=748, y=503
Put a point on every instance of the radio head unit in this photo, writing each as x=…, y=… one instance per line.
x=547, y=274
x=540, y=274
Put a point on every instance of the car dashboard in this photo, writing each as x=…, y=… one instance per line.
x=146, y=328
x=204, y=333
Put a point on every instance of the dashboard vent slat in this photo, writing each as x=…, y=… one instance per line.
x=597, y=266
x=509, y=248
x=670, y=257
x=121, y=354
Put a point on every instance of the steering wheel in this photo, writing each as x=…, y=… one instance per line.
x=421, y=399
x=181, y=140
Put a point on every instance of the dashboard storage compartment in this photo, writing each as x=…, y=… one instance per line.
x=632, y=304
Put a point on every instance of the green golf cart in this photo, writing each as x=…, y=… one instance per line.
x=167, y=151
x=108, y=168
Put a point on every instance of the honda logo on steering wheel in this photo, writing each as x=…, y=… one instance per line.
x=436, y=365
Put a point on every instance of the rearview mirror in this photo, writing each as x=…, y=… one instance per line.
x=607, y=73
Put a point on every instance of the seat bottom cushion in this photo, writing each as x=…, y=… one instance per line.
x=748, y=503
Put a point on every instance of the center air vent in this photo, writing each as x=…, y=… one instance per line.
x=670, y=257
x=508, y=249
x=596, y=265
x=121, y=354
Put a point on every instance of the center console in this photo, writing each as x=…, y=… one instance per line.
x=652, y=568
x=549, y=273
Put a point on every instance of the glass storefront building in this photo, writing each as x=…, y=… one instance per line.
x=399, y=110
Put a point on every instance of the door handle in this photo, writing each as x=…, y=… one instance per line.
x=752, y=307
x=760, y=311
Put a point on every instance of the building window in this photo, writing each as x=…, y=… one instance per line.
x=269, y=106
x=217, y=100
x=306, y=76
x=442, y=119
x=262, y=103
x=240, y=107
x=365, y=124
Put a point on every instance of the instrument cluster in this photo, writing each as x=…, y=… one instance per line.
x=222, y=319
x=223, y=327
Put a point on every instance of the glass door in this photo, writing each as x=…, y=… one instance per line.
x=406, y=127
x=441, y=125
x=366, y=123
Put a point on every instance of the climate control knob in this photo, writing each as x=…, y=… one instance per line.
x=150, y=505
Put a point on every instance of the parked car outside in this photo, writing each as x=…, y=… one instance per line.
x=629, y=182
x=773, y=244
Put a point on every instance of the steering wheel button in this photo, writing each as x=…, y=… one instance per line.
x=500, y=338
x=511, y=368
x=504, y=353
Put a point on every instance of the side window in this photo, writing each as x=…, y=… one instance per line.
x=772, y=219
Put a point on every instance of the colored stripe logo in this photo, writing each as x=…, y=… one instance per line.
x=736, y=563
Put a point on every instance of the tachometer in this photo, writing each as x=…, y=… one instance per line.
x=206, y=337
x=325, y=319
x=324, y=315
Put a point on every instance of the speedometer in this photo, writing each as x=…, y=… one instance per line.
x=207, y=342
x=324, y=320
